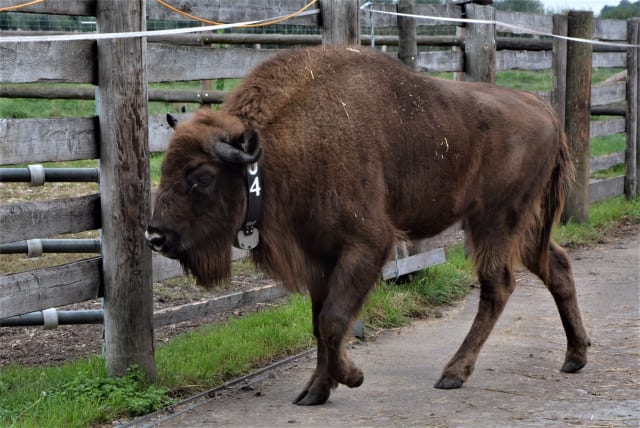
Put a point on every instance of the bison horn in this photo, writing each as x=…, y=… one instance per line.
x=232, y=154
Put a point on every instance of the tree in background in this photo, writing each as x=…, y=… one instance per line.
x=528, y=6
x=624, y=10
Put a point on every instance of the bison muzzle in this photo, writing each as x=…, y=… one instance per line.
x=354, y=152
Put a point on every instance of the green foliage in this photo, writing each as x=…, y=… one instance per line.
x=46, y=397
x=624, y=10
x=129, y=395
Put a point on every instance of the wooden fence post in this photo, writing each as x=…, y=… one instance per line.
x=408, y=47
x=559, y=66
x=125, y=188
x=340, y=22
x=632, y=117
x=480, y=45
x=578, y=113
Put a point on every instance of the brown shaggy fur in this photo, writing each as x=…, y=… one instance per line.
x=358, y=150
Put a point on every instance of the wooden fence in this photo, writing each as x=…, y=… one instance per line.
x=124, y=272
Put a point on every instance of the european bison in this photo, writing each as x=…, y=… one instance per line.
x=334, y=154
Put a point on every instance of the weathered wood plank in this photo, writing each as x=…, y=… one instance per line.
x=600, y=190
x=577, y=113
x=480, y=45
x=72, y=61
x=606, y=161
x=64, y=139
x=230, y=11
x=340, y=25
x=58, y=7
x=440, y=61
x=523, y=60
x=394, y=269
x=600, y=128
x=25, y=292
x=383, y=20
x=559, y=66
x=407, y=45
x=41, y=219
x=632, y=115
x=526, y=20
x=47, y=140
x=125, y=189
x=217, y=305
x=609, y=60
x=609, y=29
x=170, y=62
x=608, y=94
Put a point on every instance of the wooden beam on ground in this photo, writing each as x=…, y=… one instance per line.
x=217, y=305
x=397, y=268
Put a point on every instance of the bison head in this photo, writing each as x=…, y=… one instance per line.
x=201, y=202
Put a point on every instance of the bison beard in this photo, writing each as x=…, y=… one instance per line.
x=357, y=149
x=210, y=265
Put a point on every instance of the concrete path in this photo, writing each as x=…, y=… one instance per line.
x=517, y=381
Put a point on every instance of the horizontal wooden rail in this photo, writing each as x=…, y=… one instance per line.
x=25, y=292
x=32, y=220
x=600, y=190
x=601, y=163
x=601, y=128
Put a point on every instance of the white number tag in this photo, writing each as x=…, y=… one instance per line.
x=255, y=186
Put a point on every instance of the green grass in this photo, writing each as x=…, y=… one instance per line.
x=20, y=108
x=608, y=144
x=74, y=395
x=602, y=217
x=79, y=393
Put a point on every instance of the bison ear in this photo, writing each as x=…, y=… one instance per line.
x=172, y=120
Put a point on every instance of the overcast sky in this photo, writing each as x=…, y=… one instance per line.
x=593, y=5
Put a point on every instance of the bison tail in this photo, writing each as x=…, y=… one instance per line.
x=560, y=182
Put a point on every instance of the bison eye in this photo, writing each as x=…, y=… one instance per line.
x=200, y=179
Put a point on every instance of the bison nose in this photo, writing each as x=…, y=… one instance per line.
x=158, y=240
x=155, y=240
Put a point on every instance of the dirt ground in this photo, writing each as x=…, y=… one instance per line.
x=516, y=382
x=34, y=346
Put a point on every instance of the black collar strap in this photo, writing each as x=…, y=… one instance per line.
x=248, y=237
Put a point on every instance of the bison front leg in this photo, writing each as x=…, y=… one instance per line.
x=353, y=276
x=495, y=289
x=319, y=387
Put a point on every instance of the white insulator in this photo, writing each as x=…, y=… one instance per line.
x=50, y=318
x=37, y=175
x=34, y=247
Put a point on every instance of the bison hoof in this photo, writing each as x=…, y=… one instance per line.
x=448, y=383
x=572, y=366
x=312, y=398
x=356, y=380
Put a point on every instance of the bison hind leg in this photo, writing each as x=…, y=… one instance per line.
x=551, y=264
x=317, y=391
